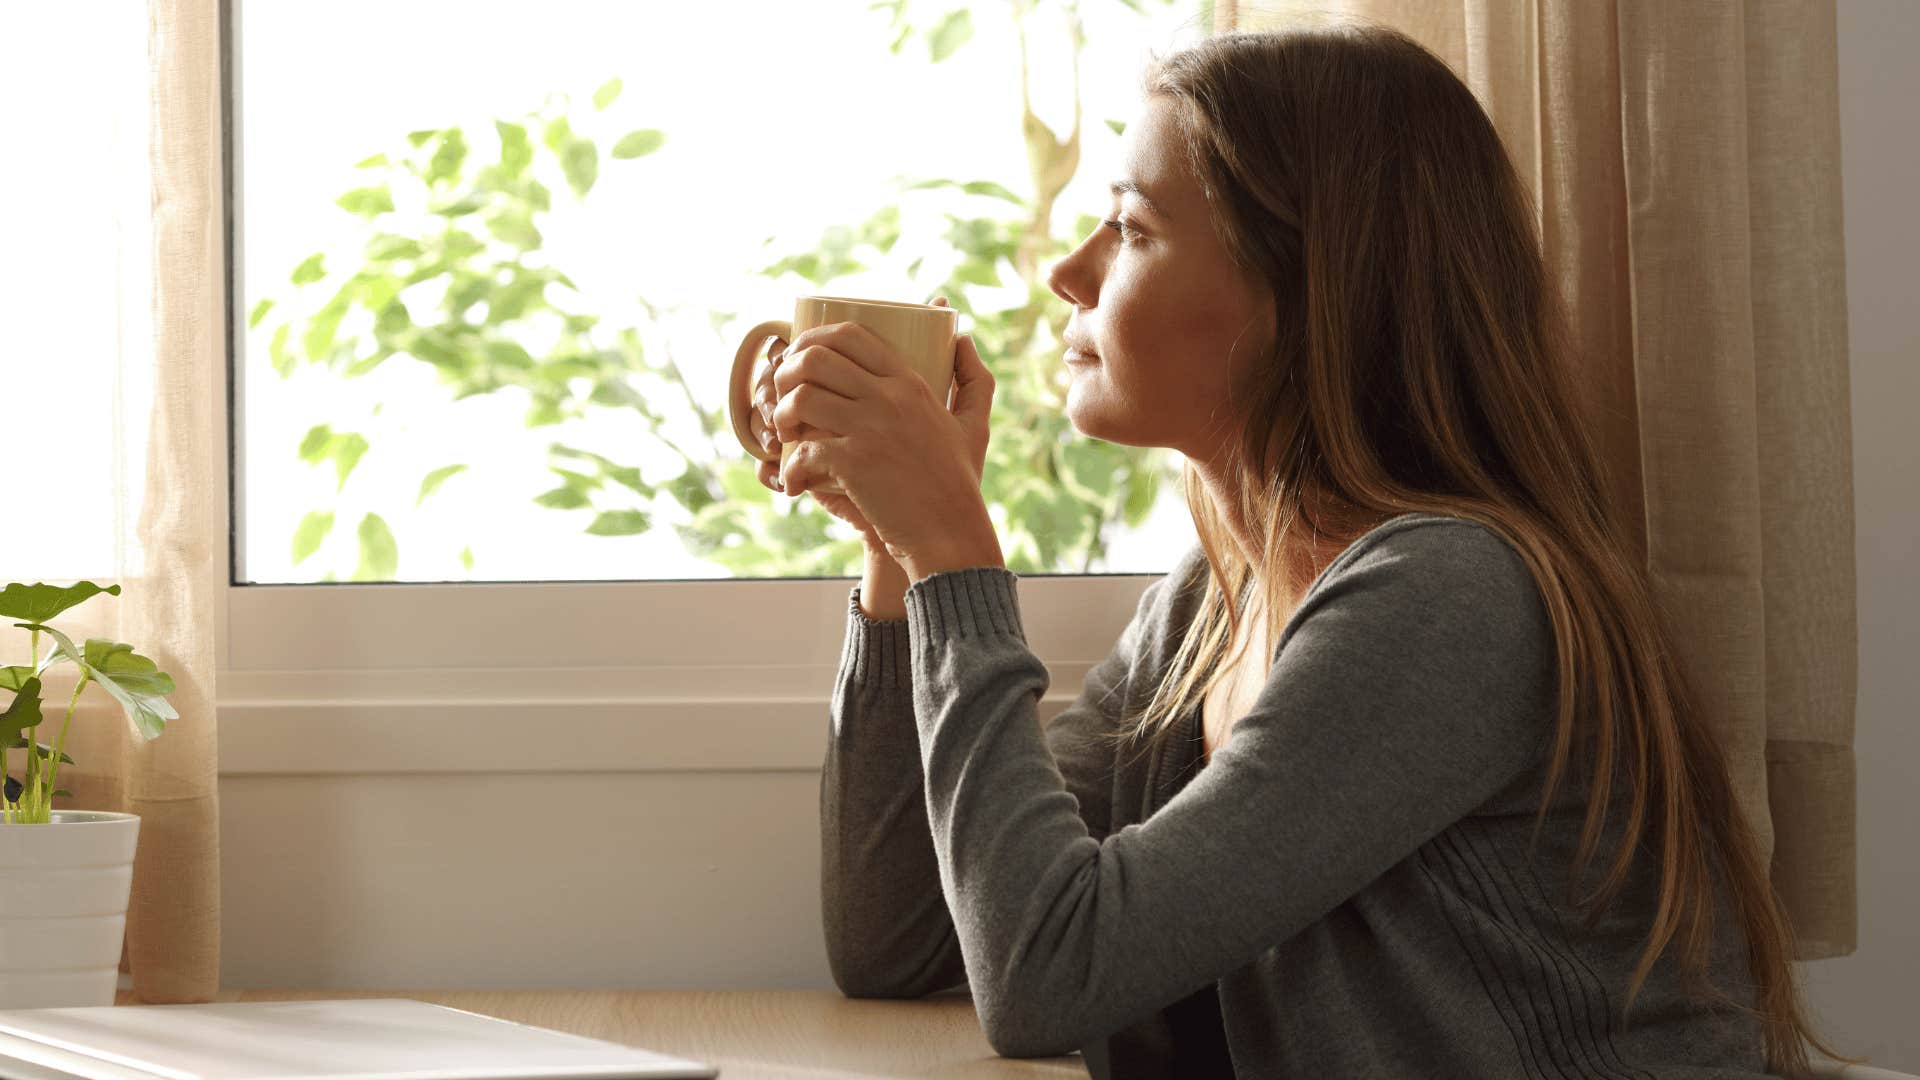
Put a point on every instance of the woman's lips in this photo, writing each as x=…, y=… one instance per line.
x=1075, y=356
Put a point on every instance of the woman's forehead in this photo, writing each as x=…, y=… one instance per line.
x=1155, y=166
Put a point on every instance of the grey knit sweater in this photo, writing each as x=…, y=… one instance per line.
x=1343, y=891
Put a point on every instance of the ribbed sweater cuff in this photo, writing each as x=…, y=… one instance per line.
x=876, y=654
x=976, y=601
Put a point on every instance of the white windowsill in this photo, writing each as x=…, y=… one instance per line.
x=548, y=677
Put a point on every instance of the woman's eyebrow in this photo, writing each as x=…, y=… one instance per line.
x=1124, y=185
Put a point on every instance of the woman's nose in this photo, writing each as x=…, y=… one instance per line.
x=1067, y=282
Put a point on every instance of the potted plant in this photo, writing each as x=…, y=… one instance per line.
x=64, y=874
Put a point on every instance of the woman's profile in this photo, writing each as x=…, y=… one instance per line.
x=1395, y=773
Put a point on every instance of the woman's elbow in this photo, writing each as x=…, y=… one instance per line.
x=860, y=974
x=1018, y=1031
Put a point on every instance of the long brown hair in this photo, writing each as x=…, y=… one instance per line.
x=1420, y=363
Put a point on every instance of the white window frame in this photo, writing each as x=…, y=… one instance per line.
x=626, y=676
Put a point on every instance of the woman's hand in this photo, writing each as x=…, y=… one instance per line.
x=760, y=422
x=910, y=464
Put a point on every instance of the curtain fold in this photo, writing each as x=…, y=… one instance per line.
x=173, y=923
x=170, y=506
x=1685, y=162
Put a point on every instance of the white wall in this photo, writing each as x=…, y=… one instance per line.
x=710, y=879
x=1870, y=1002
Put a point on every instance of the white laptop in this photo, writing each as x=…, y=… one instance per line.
x=363, y=1039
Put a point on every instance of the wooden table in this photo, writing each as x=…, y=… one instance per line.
x=751, y=1034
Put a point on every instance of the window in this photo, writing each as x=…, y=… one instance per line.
x=74, y=288
x=488, y=271
x=493, y=266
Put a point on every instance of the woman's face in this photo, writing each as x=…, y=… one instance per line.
x=1158, y=304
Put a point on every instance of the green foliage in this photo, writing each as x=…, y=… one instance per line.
x=38, y=603
x=432, y=481
x=344, y=449
x=379, y=555
x=134, y=681
x=949, y=34
x=1060, y=493
x=311, y=534
x=639, y=143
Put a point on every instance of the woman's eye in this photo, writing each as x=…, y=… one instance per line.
x=1117, y=226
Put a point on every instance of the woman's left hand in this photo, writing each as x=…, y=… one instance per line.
x=862, y=419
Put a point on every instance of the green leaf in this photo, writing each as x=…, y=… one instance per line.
x=446, y=161
x=312, y=531
x=466, y=557
x=40, y=601
x=317, y=342
x=465, y=205
x=15, y=676
x=346, y=452
x=370, y=162
x=312, y=269
x=974, y=272
x=278, y=353
x=515, y=227
x=564, y=498
x=133, y=680
x=313, y=448
x=259, y=312
x=23, y=713
x=988, y=187
x=581, y=162
x=604, y=96
x=620, y=523
x=1142, y=488
x=516, y=152
x=616, y=392
x=432, y=481
x=639, y=143
x=379, y=554
x=377, y=288
x=40, y=750
x=385, y=247
x=743, y=484
x=510, y=354
x=367, y=201
x=417, y=138
x=1119, y=127
x=953, y=32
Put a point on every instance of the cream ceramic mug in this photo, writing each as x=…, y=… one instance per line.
x=922, y=334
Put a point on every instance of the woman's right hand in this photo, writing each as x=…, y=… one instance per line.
x=760, y=421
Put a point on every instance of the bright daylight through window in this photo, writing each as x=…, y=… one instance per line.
x=491, y=263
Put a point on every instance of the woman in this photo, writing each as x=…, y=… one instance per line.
x=1330, y=806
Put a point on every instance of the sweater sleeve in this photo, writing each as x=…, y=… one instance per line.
x=888, y=930
x=1413, y=683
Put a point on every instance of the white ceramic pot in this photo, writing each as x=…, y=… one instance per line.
x=63, y=908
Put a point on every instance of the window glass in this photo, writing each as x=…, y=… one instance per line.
x=492, y=261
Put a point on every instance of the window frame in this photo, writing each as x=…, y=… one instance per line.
x=518, y=677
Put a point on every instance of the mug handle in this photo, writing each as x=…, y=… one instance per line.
x=740, y=388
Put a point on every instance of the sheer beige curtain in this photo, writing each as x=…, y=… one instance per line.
x=170, y=502
x=1685, y=159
